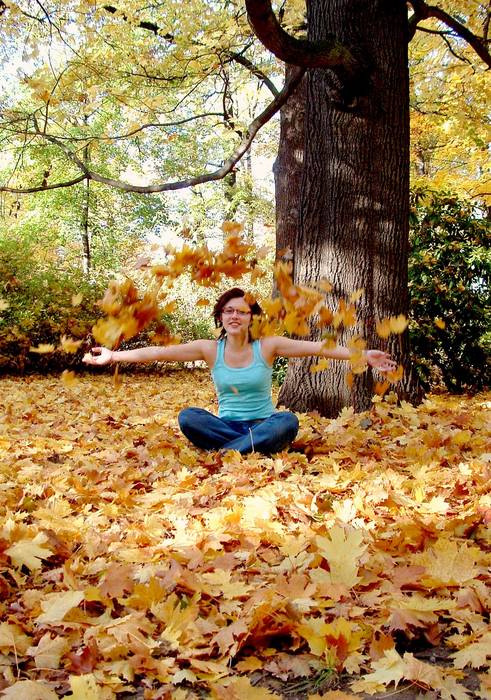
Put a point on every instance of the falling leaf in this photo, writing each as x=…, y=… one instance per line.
x=325, y=286
x=43, y=348
x=232, y=227
x=69, y=344
x=356, y=295
x=440, y=323
x=321, y=365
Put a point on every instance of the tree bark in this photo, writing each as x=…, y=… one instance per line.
x=288, y=168
x=354, y=194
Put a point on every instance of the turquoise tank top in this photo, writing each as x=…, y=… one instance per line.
x=244, y=393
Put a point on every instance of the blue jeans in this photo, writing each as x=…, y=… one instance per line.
x=266, y=435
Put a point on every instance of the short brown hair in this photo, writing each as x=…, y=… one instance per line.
x=222, y=302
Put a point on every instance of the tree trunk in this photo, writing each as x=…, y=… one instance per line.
x=288, y=168
x=86, y=235
x=354, y=194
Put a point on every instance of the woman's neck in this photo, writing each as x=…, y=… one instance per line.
x=236, y=343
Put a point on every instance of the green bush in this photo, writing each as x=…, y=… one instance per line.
x=39, y=305
x=449, y=283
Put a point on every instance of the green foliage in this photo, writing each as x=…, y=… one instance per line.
x=449, y=281
x=280, y=366
x=39, y=306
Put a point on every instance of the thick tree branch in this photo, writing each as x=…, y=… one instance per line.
x=218, y=174
x=328, y=53
x=424, y=11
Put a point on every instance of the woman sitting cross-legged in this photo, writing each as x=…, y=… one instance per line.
x=241, y=369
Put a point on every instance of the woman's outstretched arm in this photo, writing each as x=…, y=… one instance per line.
x=278, y=346
x=187, y=352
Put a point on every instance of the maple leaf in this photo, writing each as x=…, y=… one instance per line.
x=342, y=548
x=232, y=227
x=12, y=637
x=43, y=348
x=48, y=651
x=476, y=654
x=85, y=660
x=448, y=562
x=30, y=553
x=239, y=689
x=84, y=688
x=388, y=669
x=57, y=605
x=29, y=690
x=321, y=365
x=69, y=344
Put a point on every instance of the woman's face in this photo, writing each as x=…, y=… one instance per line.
x=236, y=316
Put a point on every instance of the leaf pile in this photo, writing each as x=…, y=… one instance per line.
x=130, y=560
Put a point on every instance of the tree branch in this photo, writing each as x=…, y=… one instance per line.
x=218, y=174
x=42, y=188
x=424, y=11
x=328, y=53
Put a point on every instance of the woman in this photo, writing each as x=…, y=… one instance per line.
x=241, y=370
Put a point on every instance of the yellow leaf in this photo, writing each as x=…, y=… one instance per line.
x=4, y=305
x=240, y=689
x=69, y=344
x=398, y=324
x=77, y=299
x=57, y=605
x=69, y=378
x=440, y=323
x=272, y=307
x=48, y=652
x=325, y=286
x=29, y=553
x=476, y=654
x=232, y=227
x=12, y=638
x=202, y=302
x=42, y=348
x=356, y=295
x=342, y=548
x=251, y=663
x=321, y=365
x=389, y=669
x=383, y=328
x=448, y=562
x=29, y=690
x=84, y=688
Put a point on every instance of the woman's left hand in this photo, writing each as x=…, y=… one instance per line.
x=378, y=359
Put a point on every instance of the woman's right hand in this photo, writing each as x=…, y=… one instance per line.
x=98, y=356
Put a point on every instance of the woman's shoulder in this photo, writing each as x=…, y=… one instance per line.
x=208, y=349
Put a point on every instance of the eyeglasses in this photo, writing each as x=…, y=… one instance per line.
x=228, y=311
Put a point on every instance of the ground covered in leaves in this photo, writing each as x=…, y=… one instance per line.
x=133, y=565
